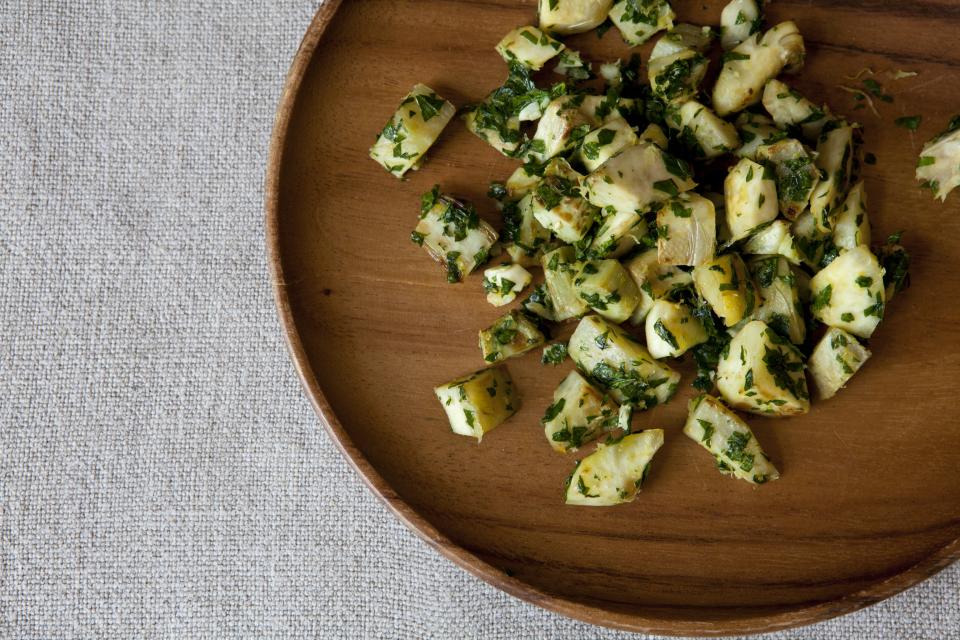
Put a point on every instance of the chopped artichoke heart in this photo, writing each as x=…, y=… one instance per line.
x=849, y=292
x=639, y=20
x=478, y=402
x=788, y=109
x=529, y=46
x=851, y=227
x=521, y=182
x=558, y=205
x=601, y=144
x=672, y=329
x=618, y=234
x=755, y=131
x=681, y=38
x=834, y=360
x=506, y=141
x=796, y=174
x=702, y=130
x=580, y=413
x=563, y=120
x=618, y=362
x=637, y=177
x=415, y=126
x=774, y=238
x=810, y=242
x=655, y=135
x=721, y=432
x=750, y=196
x=511, y=335
x=835, y=162
x=504, y=282
x=686, y=230
x=779, y=304
x=761, y=372
x=726, y=285
x=677, y=77
x=607, y=288
x=738, y=21
x=559, y=271
x=565, y=17
x=654, y=280
x=454, y=235
x=614, y=473
x=525, y=237
x=938, y=166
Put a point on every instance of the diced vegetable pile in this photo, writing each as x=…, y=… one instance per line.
x=667, y=217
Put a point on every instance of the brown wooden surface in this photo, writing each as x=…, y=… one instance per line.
x=869, y=501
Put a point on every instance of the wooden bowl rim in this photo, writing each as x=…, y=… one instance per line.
x=816, y=612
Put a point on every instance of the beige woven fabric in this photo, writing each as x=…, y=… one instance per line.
x=161, y=473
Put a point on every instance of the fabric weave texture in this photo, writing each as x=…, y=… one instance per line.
x=162, y=474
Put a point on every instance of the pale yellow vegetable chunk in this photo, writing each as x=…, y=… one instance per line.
x=529, y=46
x=671, y=329
x=572, y=16
x=414, y=127
x=848, y=293
x=480, y=401
x=834, y=360
x=580, y=413
x=614, y=473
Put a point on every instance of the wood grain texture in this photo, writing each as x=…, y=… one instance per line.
x=869, y=502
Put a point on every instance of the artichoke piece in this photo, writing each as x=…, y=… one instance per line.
x=523, y=181
x=608, y=289
x=750, y=194
x=835, y=162
x=614, y=473
x=672, y=329
x=559, y=271
x=721, y=432
x=739, y=20
x=572, y=16
x=499, y=131
x=566, y=120
x=572, y=65
x=726, y=285
x=780, y=304
x=849, y=292
x=557, y=204
x=810, y=242
x=601, y=144
x=524, y=236
x=834, y=360
x=654, y=280
x=478, y=402
x=790, y=109
x=796, y=174
x=705, y=133
x=686, y=230
x=619, y=233
x=774, y=238
x=938, y=167
x=654, y=135
x=503, y=283
x=539, y=304
x=681, y=38
x=529, y=46
x=762, y=373
x=637, y=177
x=511, y=335
x=677, y=77
x=748, y=67
x=755, y=131
x=580, y=413
x=617, y=361
x=414, y=127
x=453, y=234
x=851, y=227
x=639, y=20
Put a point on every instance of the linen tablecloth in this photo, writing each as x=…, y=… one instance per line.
x=161, y=472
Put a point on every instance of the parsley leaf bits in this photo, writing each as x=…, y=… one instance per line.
x=414, y=127
x=453, y=234
x=839, y=290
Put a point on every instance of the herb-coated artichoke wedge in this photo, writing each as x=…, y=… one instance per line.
x=686, y=230
x=478, y=402
x=529, y=46
x=655, y=135
x=558, y=206
x=834, y=360
x=788, y=109
x=672, y=329
x=749, y=65
x=726, y=285
x=637, y=177
x=523, y=180
x=560, y=268
x=572, y=16
x=774, y=238
x=739, y=20
x=566, y=120
x=835, y=162
x=453, y=234
x=570, y=64
x=762, y=373
x=851, y=227
x=511, y=335
x=779, y=304
x=797, y=176
x=938, y=167
x=683, y=37
x=614, y=473
x=617, y=361
x=810, y=242
x=619, y=233
x=655, y=281
x=415, y=126
x=539, y=304
x=705, y=133
x=677, y=77
x=502, y=283
x=755, y=131
x=750, y=195
x=500, y=131
x=608, y=289
x=601, y=144
x=639, y=20
x=721, y=432
x=525, y=238
x=580, y=413
x=849, y=292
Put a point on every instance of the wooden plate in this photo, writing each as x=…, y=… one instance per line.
x=869, y=501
